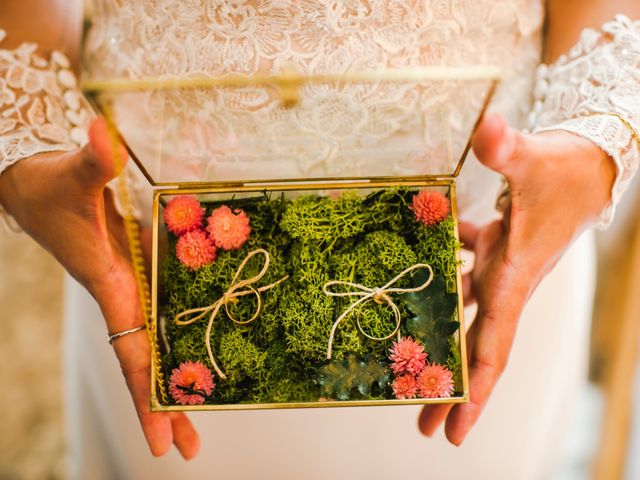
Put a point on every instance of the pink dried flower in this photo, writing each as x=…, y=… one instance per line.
x=430, y=207
x=405, y=386
x=183, y=214
x=435, y=381
x=191, y=383
x=408, y=356
x=195, y=249
x=228, y=229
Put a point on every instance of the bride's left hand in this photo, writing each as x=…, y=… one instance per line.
x=559, y=185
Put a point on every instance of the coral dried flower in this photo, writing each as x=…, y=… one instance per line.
x=405, y=386
x=408, y=356
x=430, y=207
x=195, y=249
x=183, y=214
x=228, y=229
x=435, y=381
x=191, y=383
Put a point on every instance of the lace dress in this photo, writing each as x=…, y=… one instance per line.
x=151, y=38
x=338, y=124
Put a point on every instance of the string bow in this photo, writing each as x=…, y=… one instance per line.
x=238, y=289
x=380, y=295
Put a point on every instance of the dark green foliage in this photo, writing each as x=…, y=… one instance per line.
x=281, y=357
x=454, y=363
x=433, y=321
x=352, y=379
x=391, y=209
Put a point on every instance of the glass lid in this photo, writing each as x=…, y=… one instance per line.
x=187, y=122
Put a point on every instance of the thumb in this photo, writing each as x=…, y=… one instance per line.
x=101, y=159
x=500, y=147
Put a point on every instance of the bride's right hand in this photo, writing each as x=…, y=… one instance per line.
x=60, y=200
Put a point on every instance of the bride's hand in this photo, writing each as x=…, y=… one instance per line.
x=559, y=184
x=60, y=200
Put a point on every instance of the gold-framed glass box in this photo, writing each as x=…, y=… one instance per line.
x=305, y=245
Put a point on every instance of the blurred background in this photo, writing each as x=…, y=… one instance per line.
x=31, y=422
x=604, y=439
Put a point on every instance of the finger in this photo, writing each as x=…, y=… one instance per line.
x=185, y=437
x=431, y=417
x=515, y=154
x=467, y=290
x=101, y=159
x=489, y=142
x=504, y=149
x=146, y=239
x=490, y=339
x=133, y=353
x=118, y=298
x=468, y=233
x=160, y=429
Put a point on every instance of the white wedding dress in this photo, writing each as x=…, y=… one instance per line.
x=520, y=432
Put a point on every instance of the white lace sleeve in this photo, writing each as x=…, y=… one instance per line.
x=594, y=92
x=41, y=108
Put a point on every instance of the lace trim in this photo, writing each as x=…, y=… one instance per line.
x=594, y=92
x=41, y=108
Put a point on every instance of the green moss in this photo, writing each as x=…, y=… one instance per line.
x=190, y=345
x=313, y=240
x=240, y=357
x=325, y=219
x=438, y=247
x=380, y=257
x=307, y=319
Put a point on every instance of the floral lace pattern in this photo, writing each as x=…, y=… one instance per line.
x=41, y=110
x=594, y=92
x=167, y=37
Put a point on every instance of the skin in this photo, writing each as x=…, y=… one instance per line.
x=73, y=218
x=559, y=185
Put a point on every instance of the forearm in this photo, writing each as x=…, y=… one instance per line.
x=566, y=19
x=51, y=24
x=41, y=108
x=592, y=91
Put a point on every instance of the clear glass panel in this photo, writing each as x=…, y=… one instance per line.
x=363, y=109
x=243, y=134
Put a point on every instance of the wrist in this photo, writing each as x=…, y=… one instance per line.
x=586, y=175
x=25, y=181
x=598, y=179
x=7, y=189
x=591, y=93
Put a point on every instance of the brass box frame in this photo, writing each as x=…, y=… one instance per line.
x=156, y=404
x=288, y=87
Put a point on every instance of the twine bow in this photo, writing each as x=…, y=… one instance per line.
x=238, y=288
x=380, y=295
